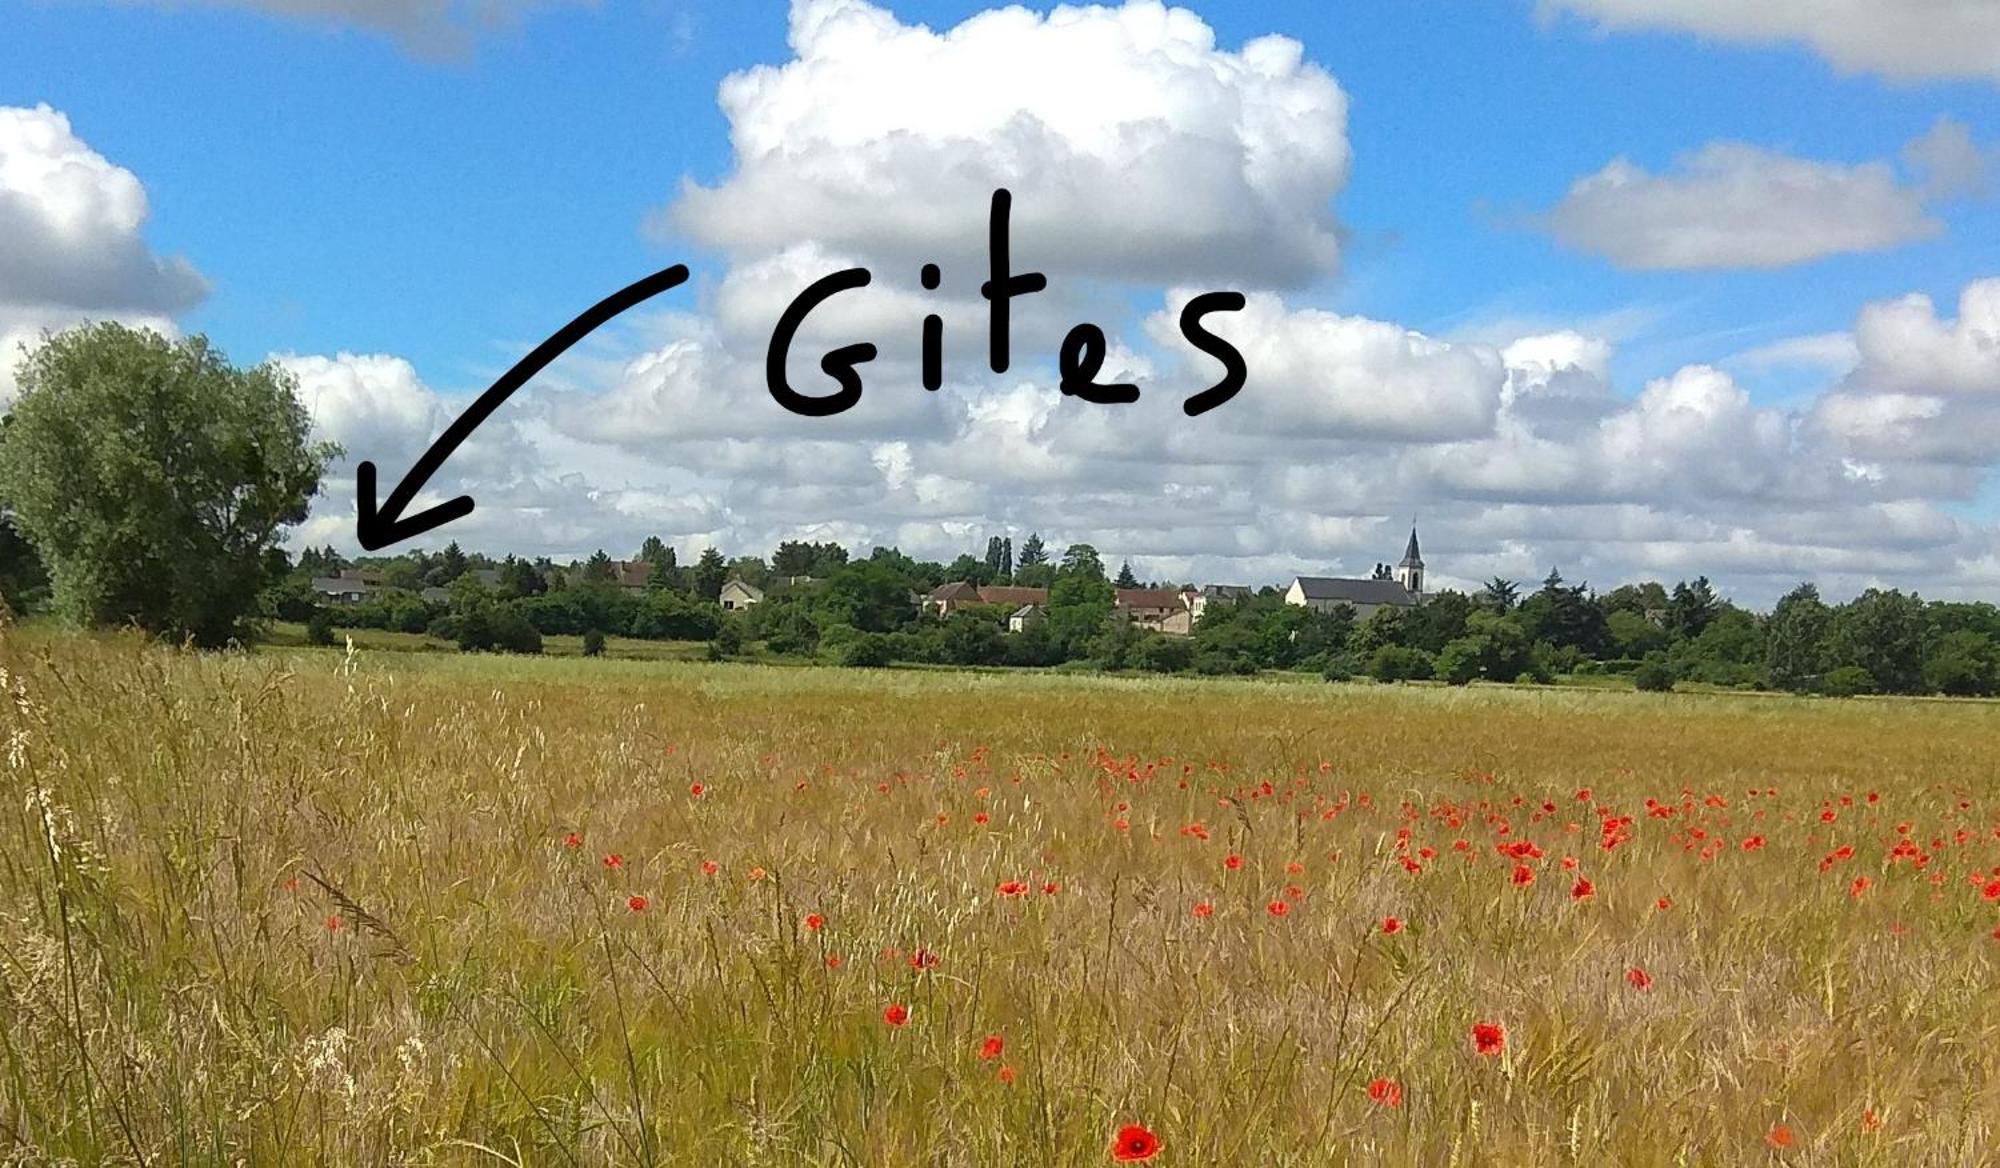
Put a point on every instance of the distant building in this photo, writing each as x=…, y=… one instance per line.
x=1024, y=616
x=1163, y=610
x=351, y=586
x=1402, y=588
x=738, y=595
x=946, y=599
x=1198, y=599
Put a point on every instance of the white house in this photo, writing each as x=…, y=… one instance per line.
x=738, y=595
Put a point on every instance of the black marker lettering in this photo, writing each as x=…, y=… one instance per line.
x=933, y=334
x=838, y=364
x=1235, y=373
x=1081, y=358
x=1004, y=286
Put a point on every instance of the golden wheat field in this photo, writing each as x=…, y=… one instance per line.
x=305, y=908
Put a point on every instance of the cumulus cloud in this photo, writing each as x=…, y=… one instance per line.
x=1135, y=147
x=71, y=233
x=1732, y=205
x=1925, y=389
x=1904, y=40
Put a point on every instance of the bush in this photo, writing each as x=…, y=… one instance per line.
x=1164, y=654
x=319, y=629
x=593, y=643
x=1396, y=663
x=1653, y=675
x=867, y=651
x=1847, y=681
x=727, y=642
x=1340, y=667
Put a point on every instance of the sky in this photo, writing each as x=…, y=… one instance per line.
x=1633, y=289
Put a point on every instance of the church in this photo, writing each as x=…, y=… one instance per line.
x=1402, y=587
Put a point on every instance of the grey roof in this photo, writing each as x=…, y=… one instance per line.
x=339, y=585
x=1412, y=558
x=1025, y=611
x=1354, y=591
x=1226, y=591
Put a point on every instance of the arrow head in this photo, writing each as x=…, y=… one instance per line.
x=378, y=528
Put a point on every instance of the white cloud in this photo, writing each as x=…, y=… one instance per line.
x=1314, y=374
x=70, y=232
x=1905, y=346
x=1134, y=147
x=1731, y=205
x=1904, y=40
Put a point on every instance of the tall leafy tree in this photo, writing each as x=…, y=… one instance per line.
x=1033, y=552
x=1795, y=645
x=1690, y=608
x=153, y=476
x=711, y=571
x=1881, y=632
x=1500, y=594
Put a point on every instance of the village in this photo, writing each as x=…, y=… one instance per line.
x=1169, y=611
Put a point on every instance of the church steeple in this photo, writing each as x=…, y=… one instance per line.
x=1410, y=573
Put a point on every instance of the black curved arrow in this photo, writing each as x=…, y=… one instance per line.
x=378, y=527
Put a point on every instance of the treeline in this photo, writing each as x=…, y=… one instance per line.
x=818, y=604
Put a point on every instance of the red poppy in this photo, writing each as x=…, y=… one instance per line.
x=1663, y=904
x=572, y=840
x=1859, y=886
x=923, y=958
x=896, y=1014
x=697, y=790
x=334, y=924
x=637, y=904
x=1639, y=978
x=1870, y=1121
x=757, y=873
x=1392, y=924
x=1991, y=891
x=815, y=922
x=1277, y=908
x=834, y=961
x=1489, y=1038
x=1581, y=889
x=1204, y=910
x=991, y=1048
x=1232, y=862
x=614, y=860
x=1387, y=1092
x=1006, y=1075
x=1135, y=1143
x=1012, y=888
x=1523, y=875
x=1780, y=1137
x=1051, y=888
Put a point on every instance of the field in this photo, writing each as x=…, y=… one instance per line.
x=300, y=908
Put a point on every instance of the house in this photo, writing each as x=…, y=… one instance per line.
x=1198, y=599
x=946, y=599
x=1163, y=610
x=351, y=586
x=1402, y=588
x=1024, y=616
x=738, y=595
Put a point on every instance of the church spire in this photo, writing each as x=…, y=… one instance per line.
x=1410, y=573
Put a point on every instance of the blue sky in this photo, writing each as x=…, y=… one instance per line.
x=348, y=189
